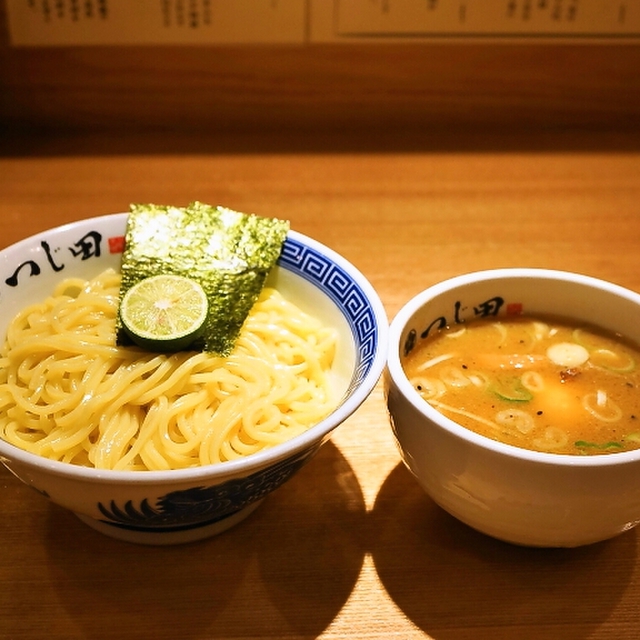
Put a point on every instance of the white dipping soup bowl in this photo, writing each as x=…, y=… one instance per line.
x=169, y=507
x=520, y=496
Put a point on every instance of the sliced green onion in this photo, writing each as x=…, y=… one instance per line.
x=612, y=361
x=512, y=390
x=583, y=444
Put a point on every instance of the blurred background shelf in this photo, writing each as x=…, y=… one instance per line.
x=368, y=89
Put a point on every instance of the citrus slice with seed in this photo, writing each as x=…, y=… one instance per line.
x=164, y=312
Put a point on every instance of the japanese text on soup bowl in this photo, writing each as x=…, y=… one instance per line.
x=512, y=492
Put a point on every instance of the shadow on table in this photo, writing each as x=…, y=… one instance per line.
x=287, y=570
x=453, y=582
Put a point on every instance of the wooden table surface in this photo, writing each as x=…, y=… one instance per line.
x=350, y=547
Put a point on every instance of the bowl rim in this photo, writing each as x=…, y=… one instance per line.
x=315, y=435
x=395, y=370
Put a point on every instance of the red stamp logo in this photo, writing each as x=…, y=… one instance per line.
x=116, y=244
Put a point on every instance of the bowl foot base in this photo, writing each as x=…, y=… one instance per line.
x=157, y=536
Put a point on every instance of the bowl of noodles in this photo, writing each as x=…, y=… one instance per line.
x=514, y=398
x=165, y=448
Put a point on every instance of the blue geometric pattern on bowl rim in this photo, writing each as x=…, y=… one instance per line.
x=340, y=287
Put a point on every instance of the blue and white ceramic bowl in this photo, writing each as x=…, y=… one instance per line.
x=168, y=507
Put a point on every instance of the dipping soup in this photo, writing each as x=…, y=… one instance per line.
x=539, y=383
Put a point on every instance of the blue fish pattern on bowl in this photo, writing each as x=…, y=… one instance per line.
x=201, y=506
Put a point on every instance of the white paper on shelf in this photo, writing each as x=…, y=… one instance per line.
x=141, y=22
x=184, y=22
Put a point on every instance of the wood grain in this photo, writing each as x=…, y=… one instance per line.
x=369, y=88
x=350, y=548
x=417, y=163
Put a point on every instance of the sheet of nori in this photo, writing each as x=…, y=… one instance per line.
x=229, y=253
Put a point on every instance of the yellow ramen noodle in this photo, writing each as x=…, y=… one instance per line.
x=68, y=393
x=541, y=384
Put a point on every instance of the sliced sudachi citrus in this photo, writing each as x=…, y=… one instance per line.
x=164, y=312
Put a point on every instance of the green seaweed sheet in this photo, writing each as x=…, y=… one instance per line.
x=229, y=253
